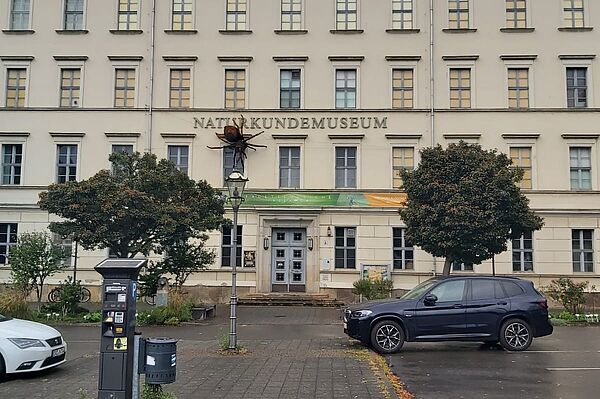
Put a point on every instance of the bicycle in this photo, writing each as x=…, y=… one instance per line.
x=55, y=294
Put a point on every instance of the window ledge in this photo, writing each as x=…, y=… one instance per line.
x=403, y=31
x=18, y=31
x=291, y=32
x=234, y=32
x=580, y=29
x=126, y=31
x=459, y=30
x=72, y=31
x=181, y=31
x=517, y=30
x=347, y=31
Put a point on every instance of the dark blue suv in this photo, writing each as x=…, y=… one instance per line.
x=456, y=308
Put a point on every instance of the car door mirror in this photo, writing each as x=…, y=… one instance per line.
x=430, y=299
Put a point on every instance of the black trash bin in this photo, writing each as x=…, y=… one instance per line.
x=161, y=360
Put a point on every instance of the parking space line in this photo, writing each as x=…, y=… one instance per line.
x=572, y=368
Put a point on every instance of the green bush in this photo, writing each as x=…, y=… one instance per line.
x=178, y=310
x=155, y=392
x=564, y=315
x=568, y=293
x=93, y=317
x=373, y=289
x=70, y=295
x=13, y=303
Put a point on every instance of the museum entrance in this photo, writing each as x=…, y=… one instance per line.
x=288, y=260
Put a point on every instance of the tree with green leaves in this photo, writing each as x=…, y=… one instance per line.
x=143, y=205
x=185, y=258
x=464, y=204
x=34, y=259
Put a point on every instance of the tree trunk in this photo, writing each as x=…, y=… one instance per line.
x=447, y=265
x=39, y=291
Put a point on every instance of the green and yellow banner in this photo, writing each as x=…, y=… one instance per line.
x=389, y=200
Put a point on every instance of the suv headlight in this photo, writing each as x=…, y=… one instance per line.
x=25, y=343
x=359, y=314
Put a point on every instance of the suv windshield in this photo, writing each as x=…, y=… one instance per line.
x=419, y=289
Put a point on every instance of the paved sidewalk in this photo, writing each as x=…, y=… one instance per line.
x=293, y=353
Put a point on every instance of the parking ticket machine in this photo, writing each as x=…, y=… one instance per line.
x=118, y=326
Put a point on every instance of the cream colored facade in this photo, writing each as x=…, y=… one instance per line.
x=547, y=47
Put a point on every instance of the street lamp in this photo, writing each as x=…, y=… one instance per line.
x=236, y=182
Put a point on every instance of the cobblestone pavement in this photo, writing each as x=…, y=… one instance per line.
x=303, y=364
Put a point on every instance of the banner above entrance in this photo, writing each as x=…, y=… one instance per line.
x=390, y=200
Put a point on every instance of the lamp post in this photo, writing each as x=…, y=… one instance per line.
x=236, y=182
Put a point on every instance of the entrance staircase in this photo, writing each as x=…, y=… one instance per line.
x=288, y=299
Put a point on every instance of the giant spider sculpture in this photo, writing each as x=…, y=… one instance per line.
x=233, y=136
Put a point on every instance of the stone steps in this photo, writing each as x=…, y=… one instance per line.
x=289, y=299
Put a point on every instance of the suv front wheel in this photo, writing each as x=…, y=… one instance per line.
x=387, y=336
x=515, y=335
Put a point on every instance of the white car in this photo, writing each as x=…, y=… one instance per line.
x=28, y=346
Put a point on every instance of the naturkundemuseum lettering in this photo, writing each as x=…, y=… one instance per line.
x=294, y=123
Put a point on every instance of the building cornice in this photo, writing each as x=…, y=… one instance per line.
x=233, y=58
x=516, y=57
x=125, y=57
x=71, y=57
x=460, y=57
x=403, y=58
x=14, y=134
x=346, y=136
x=580, y=136
x=289, y=136
x=577, y=56
x=16, y=57
x=462, y=136
x=180, y=58
x=66, y=134
x=178, y=135
x=400, y=136
x=122, y=134
x=346, y=57
x=521, y=136
x=301, y=58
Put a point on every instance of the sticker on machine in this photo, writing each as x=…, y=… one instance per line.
x=120, y=344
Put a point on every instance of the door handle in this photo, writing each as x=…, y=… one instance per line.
x=502, y=303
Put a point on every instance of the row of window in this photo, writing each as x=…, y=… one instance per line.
x=347, y=14
x=290, y=88
x=403, y=158
x=582, y=241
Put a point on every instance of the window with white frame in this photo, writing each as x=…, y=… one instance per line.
x=581, y=168
x=404, y=252
x=462, y=267
x=128, y=14
x=66, y=165
x=460, y=88
x=12, y=163
x=522, y=253
x=291, y=14
x=70, y=87
x=345, y=167
x=230, y=163
x=8, y=238
x=516, y=13
x=403, y=158
x=289, y=88
x=345, y=247
x=180, y=88
x=402, y=14
x=73, y=18
x=577, y=87
x=573, y=13
x=66, y=243
x=235, y=88
x=19, y=14
x=346, y=15
x=236, y=14
x=179, y=155
x=521, y=158
x=583, y=250
x=122, y=149
x=182, y=15
x=458, y=14
x=16, y=87
x=125, y=87
x=289, y=167
x=518, y=88
x=227, y=245
x=345, y=88
x=402, y=88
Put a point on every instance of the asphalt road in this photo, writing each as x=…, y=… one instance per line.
x=564, y=365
